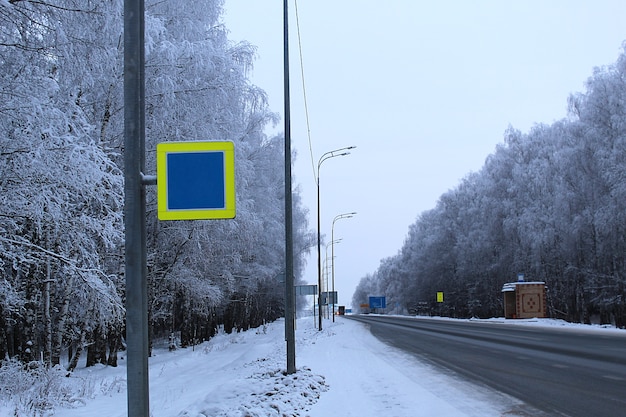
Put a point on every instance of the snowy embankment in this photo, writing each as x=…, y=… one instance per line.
x=342, y=370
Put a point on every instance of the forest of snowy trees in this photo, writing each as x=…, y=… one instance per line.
x=61, y=184
x=550, y=204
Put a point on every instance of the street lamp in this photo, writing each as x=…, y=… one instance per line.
x=326, y=269
x=324, y=157
x=332, y=236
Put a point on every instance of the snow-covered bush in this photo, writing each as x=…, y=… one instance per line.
x=34, y=389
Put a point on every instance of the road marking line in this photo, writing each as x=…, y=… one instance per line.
x=613, y=377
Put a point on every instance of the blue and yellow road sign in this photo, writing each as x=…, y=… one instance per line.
x=196, y=180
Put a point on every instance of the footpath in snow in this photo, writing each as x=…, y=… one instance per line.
x=342, y=370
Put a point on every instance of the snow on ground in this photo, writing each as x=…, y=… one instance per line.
x=342, y=370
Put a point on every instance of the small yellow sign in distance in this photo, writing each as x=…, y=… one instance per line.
x=196, y=180
x=440, y=296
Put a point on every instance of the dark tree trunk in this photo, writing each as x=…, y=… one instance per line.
x=79, y=350
x=97, y=351
x=115, y=341
x=61, y=324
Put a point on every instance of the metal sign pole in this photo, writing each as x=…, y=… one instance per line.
x=135, y=210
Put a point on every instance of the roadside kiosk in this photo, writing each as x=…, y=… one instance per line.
x=524, y=300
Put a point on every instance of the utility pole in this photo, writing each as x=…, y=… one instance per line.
x=290, y=296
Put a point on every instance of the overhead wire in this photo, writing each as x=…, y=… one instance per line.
x=306, y=107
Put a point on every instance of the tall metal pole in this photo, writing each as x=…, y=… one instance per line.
x=332, y=237
x=326, y=259
x=324, y=157
x=326, y=271
x=319, y=255
x=290, y=296
x=135, y=210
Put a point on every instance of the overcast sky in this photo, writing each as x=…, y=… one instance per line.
x=424, y=89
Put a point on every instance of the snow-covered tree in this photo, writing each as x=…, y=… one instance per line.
x=60, y=192
x=548, y=203
x=61, y=124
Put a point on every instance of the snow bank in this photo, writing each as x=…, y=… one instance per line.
x=342, y=370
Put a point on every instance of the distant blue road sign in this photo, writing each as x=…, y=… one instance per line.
x=378, y=302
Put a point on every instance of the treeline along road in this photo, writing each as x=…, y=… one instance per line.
x=562, y=371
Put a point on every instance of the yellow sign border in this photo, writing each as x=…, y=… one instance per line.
x=165, y=148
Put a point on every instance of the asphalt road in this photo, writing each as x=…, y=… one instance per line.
x=561, y=371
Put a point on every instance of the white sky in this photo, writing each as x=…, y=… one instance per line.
x=425, y=90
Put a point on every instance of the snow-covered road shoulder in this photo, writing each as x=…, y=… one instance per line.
x=369, y=378
x=342, y=370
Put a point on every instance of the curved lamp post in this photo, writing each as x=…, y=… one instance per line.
x=332, y=241
x=327, y=267
x=324, y=157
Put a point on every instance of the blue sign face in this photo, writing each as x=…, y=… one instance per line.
x=378, y=302
x=195, y=181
